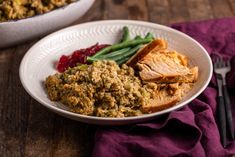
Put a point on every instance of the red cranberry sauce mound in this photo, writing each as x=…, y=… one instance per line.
x=78, y=56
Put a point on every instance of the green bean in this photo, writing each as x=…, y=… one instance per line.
x=128, y=54
x=126, y=34
x=138, y=37
x=92, y=59
x=115, y=53
x=124, y=60
x=149, y=35
x=119, y=46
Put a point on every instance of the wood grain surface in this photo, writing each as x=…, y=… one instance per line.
x=29, y=129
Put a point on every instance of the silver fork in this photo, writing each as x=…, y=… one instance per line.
x=221, y=68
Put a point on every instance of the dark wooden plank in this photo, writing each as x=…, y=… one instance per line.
x=137, y=10
x=221, y=8
x=199, y=10
x=96, y=12
x=159, y=11
x=13, y=103
x=72, y=139
x=115, y=9
x=5, y=65
x=179, y=11
x=38, y=121
x=232, y=6
x=40, y=131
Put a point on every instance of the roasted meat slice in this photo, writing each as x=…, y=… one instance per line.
x=166, y=67
x=165, y=99
x=157, y=44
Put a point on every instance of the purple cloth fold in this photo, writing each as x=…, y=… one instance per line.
x=191, y=131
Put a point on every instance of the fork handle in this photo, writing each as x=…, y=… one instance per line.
x=222, y=120
x=228, y=111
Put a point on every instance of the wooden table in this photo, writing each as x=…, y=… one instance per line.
x=29, y=129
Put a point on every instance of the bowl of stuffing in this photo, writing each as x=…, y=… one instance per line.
x=22, y=20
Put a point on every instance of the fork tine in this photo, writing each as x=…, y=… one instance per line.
x=228, y=63
x=216, y=61
x=219, y=62
x=223, y=63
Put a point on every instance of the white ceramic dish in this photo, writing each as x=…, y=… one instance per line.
x=39, y=61
x=18, y=31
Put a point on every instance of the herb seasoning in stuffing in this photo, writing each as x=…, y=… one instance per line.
x=101, y=89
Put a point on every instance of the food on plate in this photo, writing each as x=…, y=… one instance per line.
x=19, y=9
x=156, y=45
x=100, y=89
x=166, y=96
x=124, y=79
x=123, y=51
x=120, y=52
x=165, y=66
x=78, y=56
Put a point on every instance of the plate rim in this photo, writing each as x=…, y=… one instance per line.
x=85, y=118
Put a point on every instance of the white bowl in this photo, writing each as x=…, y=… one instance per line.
x=18, y=31
x=38, y=62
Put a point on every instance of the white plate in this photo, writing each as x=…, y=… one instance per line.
x=39, y=61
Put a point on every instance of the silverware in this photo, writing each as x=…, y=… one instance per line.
x=221, y=68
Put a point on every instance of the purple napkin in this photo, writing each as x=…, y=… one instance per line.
x=191, y=131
